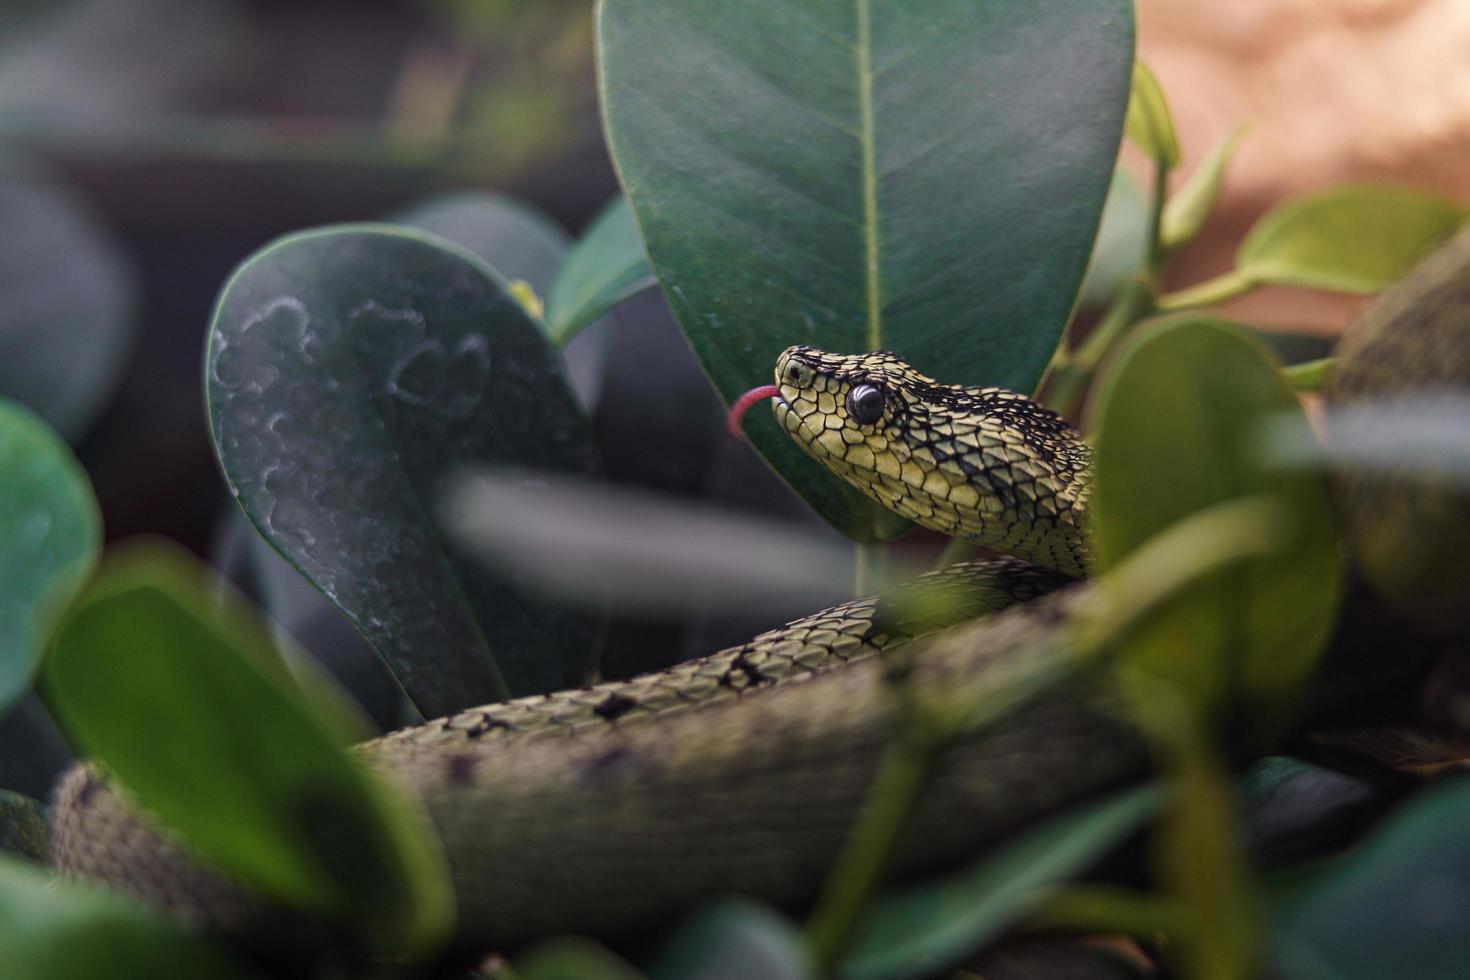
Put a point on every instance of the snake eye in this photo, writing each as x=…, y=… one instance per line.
x=865, y=404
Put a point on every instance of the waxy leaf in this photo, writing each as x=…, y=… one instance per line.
x=1150, y=124
x=1122, y=242
x=50, y=536
x=856, y=175
x=735, y=939
x=1351, y=239
x=52, y=930
x=1185, y=213
x=67, y=297
x=183, y=698
x=350, y=371
x=1395, y=906
x=607, y=266
x=922, y=930
x=1178, y=421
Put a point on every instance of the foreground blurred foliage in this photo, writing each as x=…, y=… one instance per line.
x=836, y=181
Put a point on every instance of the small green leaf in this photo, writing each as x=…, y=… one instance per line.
x=50, y=537
x=350, y=371
x=67, y=299
x=735, y=939
x=607, y=266
x=573, y=958
x=1350, y=239
x=182, y=697
x=925, y=929
x=1150, y=124
x=52, y=930
x=1395, y=906
x=1185, y=213
x=926, y=178
x=1122, y=242
x=1177, y=423
x=22, y=826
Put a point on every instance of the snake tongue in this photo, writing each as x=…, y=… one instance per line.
x=743, y=403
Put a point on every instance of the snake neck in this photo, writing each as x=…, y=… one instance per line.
x=983, y=464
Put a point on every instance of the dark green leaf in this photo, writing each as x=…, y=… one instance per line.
x=1177, y=423
x=1150, y=124
x=1352, y=239
x=53, y=930
x=183, y=698
x=50, y=536
x=735, y=940
x=350, y=370
x=1122, y=242
x=1396, y=906
x=926, y=178
x=1188, y=207
x=607, y=266
x=523, y=245
x=66, y=306
x=22, y=826
x=573, y=959
x=923, y=930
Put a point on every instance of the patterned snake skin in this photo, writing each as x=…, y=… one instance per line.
x=620, y=806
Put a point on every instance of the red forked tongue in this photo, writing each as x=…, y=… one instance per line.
x=743, y=403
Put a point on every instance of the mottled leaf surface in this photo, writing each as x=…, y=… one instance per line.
x=350, y=370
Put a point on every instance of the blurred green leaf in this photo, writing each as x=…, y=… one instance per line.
x=573, y=958
x=350, y=370
x=1150, y=125
x=1185, y=213
x=50, y=537
x=922, y=178
x=67, y=297
x=1395, y=906
x=605, y=267
x=22, y=826
x=1177, y=422
x=1122, y=242
x=1351, y=239
x=52, y=930
x=920, y=931
x=735, y=939
x=182, y=697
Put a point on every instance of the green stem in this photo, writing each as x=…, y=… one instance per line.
x=870, y=568
x=1072, y=372
x=1100, y=908
x=869, y=848
x=1208, y=293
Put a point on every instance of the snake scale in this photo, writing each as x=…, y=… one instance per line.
x=617, y=807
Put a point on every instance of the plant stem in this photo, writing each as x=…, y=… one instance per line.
x=870, y=568
x=1072, y=372
x=1208, y=293
x=869, y=848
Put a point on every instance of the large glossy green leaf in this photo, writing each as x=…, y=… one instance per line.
x=607, y=266
x=182, y=697
x=735, y=939
x=67, y=298
x=921, y=931
x=1353, y=239
x=855, y=175
x=53, y=930
x=350, y=370
x=1396, y=906
x=50, y=536
x=1177, y=421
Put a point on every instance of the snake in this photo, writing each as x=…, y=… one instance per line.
x=616, y=808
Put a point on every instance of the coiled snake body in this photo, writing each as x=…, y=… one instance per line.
x=619, y=806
